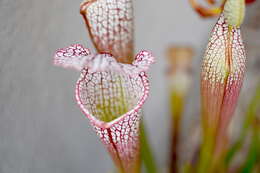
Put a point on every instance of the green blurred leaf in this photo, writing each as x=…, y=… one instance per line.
x=146, y=153
x=249, y=119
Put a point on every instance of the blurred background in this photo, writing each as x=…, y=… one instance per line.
x=41, y=127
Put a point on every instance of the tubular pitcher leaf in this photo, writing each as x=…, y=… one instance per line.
x=111, y=95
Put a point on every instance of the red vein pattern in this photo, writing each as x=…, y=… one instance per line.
x=73, y=56
x=222, y=74
x=111, y=95
x=110, y=24
x=120, y=136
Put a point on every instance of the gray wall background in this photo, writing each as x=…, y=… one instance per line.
x=42, y=130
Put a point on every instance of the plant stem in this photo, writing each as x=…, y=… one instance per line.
x=146, y=153
x=254, y=151
x=207, y=149
x=176, y=103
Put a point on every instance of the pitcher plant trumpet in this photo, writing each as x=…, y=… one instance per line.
x=111, y=95
x=222, y=76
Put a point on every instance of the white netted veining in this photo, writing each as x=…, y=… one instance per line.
x=222, y=73
x=73, y=56
x=108, y=95
x=110, y=23
x=225, y=54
